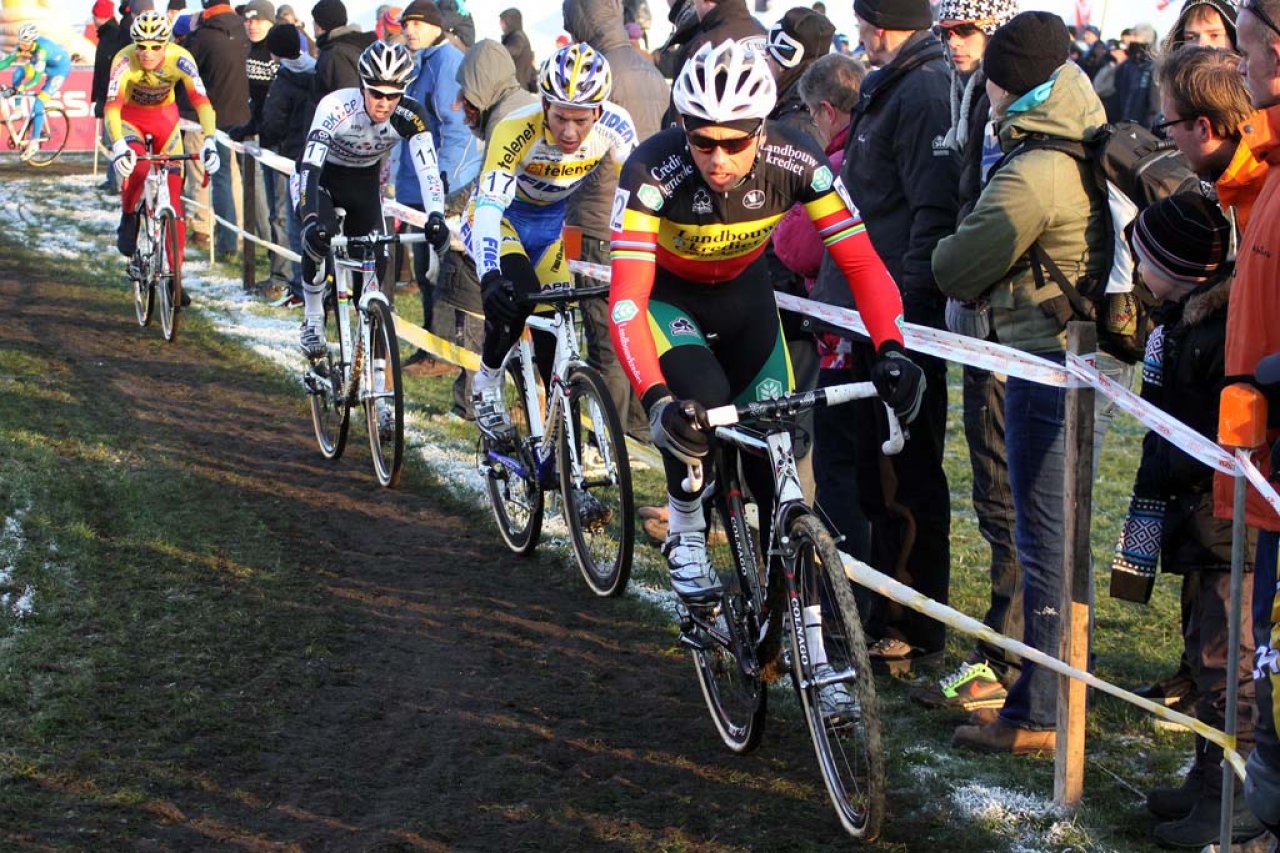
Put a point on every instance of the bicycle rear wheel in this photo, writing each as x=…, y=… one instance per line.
x=142, y=270
x=169, y=275
x=327, y=385
x=53, y=138
x=595, y=484
x=729, y=672
x=515, y=495
x=847, y=741
x=385, y=394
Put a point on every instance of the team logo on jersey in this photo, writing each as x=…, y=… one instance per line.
x=624, y=311
x=620, y=199
x=821, y=179
x=753, y=200
x=682, y=327
x=769, y=389
x=702, y=202
x=650, y=196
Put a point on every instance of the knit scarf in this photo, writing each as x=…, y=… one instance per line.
x=304, y=64
x=961, y=107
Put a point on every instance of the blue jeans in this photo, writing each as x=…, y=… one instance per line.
x=224, y=203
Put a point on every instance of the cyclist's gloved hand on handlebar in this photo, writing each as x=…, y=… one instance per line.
x=437, y=232
x=899, y=381
x=499, y=296
x=673, y=427
x=123, y=158
x=209, y=155
x=315, y=239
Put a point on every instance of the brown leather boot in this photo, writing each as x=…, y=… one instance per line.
x=999, y=736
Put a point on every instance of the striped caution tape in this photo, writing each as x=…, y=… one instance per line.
x=863, y=575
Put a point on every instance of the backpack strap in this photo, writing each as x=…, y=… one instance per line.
x=1041, y=262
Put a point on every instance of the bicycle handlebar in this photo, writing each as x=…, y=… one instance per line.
x=369, y=241
x=564, y=294
x=791, y=405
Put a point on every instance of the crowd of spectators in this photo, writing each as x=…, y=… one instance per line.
x=929, y=118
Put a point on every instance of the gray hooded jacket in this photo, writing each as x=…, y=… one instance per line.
x=638, y=87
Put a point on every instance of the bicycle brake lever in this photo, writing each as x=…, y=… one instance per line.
x=892, y=446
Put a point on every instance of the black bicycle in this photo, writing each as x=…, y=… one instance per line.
x=793, y=612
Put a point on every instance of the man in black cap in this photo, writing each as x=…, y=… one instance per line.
x=340, y=45
x=717, y=20
x=904, y=179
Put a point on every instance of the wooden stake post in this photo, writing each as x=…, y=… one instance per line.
x=1075, y=603
x=248, y=177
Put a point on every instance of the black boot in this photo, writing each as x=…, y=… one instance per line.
x=127, y=234
x=1176, y=803
x=1200, y=828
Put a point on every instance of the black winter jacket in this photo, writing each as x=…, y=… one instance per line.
x=340, y=50
x=728, y=19
x=286, y=117
x=517, y=44
x=901, y=175
x=110, y=40
x=220, y=48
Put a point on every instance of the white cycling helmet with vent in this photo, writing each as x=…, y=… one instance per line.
x=723, y=83
x=576, y=75
x=386, y=67
x=27, y=33
x=150, y=26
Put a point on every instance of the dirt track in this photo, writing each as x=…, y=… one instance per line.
x=476, y=703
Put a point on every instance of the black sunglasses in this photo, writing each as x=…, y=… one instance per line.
x=734, y=145
x=964, y=30
x=1262, y=16
x=385, y=96
x=1162, y=129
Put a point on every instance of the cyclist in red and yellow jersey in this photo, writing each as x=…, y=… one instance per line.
x=140, y=103
x=692, y=310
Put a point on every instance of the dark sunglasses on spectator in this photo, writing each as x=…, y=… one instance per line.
x=1162, y=129
x=733, y=145
x=385, y=96
x=1256, y=10
x=964, y=29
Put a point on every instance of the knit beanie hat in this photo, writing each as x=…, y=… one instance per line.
x=1026, y=51
x=329, y=14
x=1184, y=237
x=422, y=10
x=104, y=9
x=282, y=41
x=989, y=15
x=800, y=35
x=177, y=5
x=895, y=14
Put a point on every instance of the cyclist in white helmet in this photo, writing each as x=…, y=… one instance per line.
x=695, y=208
x=42, y=68
x=352, y=131
x=534, y=159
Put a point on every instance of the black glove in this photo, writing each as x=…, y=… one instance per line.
x=437, y=232
x=315, y=239
x=499, y=296
x=899, y=381
x=673, y=427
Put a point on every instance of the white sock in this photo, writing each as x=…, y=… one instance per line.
x=813, y=634
x=485, y=378
x=684, y=516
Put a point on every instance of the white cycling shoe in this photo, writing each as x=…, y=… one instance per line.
x=692, y=577
x=312, y=338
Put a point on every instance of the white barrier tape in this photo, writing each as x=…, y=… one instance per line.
x=1258, y=480
x=1171, y=429
x=408, y=214
x=868, y=577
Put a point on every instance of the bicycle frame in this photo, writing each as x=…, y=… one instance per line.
x=545, y=431
x=16, y=112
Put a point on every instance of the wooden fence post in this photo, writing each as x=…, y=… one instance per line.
x=1077, y=505
x=249, y=260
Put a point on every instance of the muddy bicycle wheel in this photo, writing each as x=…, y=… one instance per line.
x=384, y=400
x=54, y=136
x=169, y=277
x=326, y=382
x=141, y=270
x=511, y=475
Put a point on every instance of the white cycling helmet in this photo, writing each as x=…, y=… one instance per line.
x=27, y=33
x=576, y=75
x=150, y=26
x=724, y=83
x=386, y=67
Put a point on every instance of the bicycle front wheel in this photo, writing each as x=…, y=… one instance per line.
x=845, y=724
x=54, y=136
x=169, y=278
x=511, y=475
x=141, y=270
x=384, y=401
x=729, y=672
x=326, y=382
x=595, y=484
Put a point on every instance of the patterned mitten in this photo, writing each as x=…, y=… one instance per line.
x=1133, y=568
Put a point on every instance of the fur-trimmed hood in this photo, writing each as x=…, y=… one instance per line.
x=1206, y=301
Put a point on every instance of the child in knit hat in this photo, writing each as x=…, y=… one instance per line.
x=1183, y=247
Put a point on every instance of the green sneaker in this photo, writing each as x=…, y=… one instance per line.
x=974, y=685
